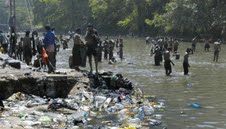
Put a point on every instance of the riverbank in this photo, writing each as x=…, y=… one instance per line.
x=29, y=80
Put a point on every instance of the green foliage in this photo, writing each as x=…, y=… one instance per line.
x=4, y=16
x=62, y=14
x=24, y=21
x=125, y=22
x=184, y=17
x=191, y=16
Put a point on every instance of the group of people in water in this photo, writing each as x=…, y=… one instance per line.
x=163, y=46
x=92, y=46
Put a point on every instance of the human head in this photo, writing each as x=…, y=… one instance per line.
x=48, y=28
x=53, y=29
x=90, y=26
x=35, y=33
x=27, y=33
x=78, y=31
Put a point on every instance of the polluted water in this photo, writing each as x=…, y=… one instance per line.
x=120, y=106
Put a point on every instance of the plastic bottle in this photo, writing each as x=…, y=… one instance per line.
x=141, y=114
x=196, y=105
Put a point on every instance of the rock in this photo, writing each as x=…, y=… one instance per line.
x=45, y=119
x=14, y=64
x=1, y=105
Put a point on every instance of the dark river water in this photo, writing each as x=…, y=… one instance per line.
x=205, y=85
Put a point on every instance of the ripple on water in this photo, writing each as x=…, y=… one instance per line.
x=200, y=63
x=206, y=126
x=193, y=98
x=184, y=115
x=209, y=107
x=210, y=122
x=193, y=118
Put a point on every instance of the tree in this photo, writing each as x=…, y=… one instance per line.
x=191, y=17
x=62, y=14
x=4, y=16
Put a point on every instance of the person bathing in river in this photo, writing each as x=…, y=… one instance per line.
x=175, y=46
x=157, y=56
x=194, y=42
x=186, y=64
x=217, y=49
x=167, y=63
x=207, y=46
x=147, y=40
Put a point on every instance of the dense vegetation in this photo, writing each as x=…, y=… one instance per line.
x=140, y=17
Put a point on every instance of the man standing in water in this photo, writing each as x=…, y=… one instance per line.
x=185, y=63
x=49, y=44
x=217, y=49
x=167, y=63
x=194, y=41
x=157, y=56
x=91, y=39
x=207, y=46
x=175, y=46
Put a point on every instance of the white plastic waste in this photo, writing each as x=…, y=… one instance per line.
x=148, y=110
x=106, y=103
x=100, y=99
x=134, y=122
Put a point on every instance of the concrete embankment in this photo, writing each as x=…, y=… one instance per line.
x=18, y=77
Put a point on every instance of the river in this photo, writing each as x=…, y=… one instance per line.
x=205, y=85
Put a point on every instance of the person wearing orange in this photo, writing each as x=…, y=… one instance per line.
x=49, y=45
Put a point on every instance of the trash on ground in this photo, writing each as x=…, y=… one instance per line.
x=112, y=102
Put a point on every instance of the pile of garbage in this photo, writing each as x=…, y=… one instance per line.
x=92, y=108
